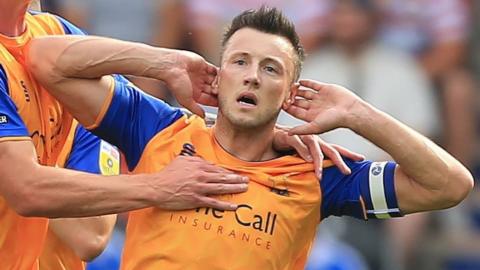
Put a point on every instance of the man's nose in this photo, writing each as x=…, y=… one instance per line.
x=251, y=78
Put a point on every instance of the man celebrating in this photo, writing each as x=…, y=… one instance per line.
x=34, y=130
x=276, y=219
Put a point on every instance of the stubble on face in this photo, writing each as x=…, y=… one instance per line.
x=262, y=118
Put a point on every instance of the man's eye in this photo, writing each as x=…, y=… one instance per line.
x=270, y=69
x=240, y=62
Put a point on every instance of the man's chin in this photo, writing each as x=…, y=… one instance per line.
x=243, y=123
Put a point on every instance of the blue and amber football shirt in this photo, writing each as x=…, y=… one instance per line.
x=28, y=112
x=275, y=223
x=85, y=152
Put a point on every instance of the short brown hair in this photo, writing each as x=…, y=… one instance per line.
x=272, y=21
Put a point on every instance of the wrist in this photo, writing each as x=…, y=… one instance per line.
x=164, y=64
x=149, y=188
x=359, y=116
x=279, y=138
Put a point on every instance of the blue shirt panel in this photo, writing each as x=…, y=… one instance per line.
x=350, y=194
x=133, y=119
x=85, y=153
x=11, y=124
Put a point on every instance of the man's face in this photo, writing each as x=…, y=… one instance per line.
x=256, y=78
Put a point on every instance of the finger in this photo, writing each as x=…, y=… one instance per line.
x=348, y=154
x=315, y=85
x=204, y=165
x=212, y=168
x=225, y=178
x=209, y=79
x=217, y=204
x=302, y=103
x=307, y=94
x=209, y=167
x=208, y=100
x=212, y=69
x=297, y=112
x=295, y=142
x=195, y=108
x=308, y=128
x=207, y=96
x=222, y=189
x=313, y=144
x=282, y=127
x=335, y=157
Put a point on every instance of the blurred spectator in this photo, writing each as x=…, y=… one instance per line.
x=141, y=20
x=149, y=21
x=390, y=80
x=437, y=32
x=207, y=19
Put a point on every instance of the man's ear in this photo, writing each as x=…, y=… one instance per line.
x=290, y=99
x=215, y=84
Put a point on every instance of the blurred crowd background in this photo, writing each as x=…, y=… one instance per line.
x=418, y=60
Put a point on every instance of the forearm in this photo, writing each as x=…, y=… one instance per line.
x=35, y=190
x=87, y=237
x=53, y=192
x=93, y=57
x=421, y=160
x=426, y=178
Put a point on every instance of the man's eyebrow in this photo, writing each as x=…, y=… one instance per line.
x=266, y=59
x=241, y=53
x=275, y=61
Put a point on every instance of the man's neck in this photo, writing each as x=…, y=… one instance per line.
x=254, y=144
x=12, y=17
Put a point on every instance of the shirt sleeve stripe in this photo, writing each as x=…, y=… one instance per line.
x=23, y=138
x=105, y=106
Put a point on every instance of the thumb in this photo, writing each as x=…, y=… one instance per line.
x=208, y=100
x=195, y=108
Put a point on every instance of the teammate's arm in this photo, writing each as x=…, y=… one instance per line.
x=87, y=237
x=35, y=190
x=57, y=61
x=426, y=178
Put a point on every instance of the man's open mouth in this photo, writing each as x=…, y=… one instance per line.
x=247, y=99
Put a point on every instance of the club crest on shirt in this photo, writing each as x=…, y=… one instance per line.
x=109, y=160
x=3, y=119
x=377, y=169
